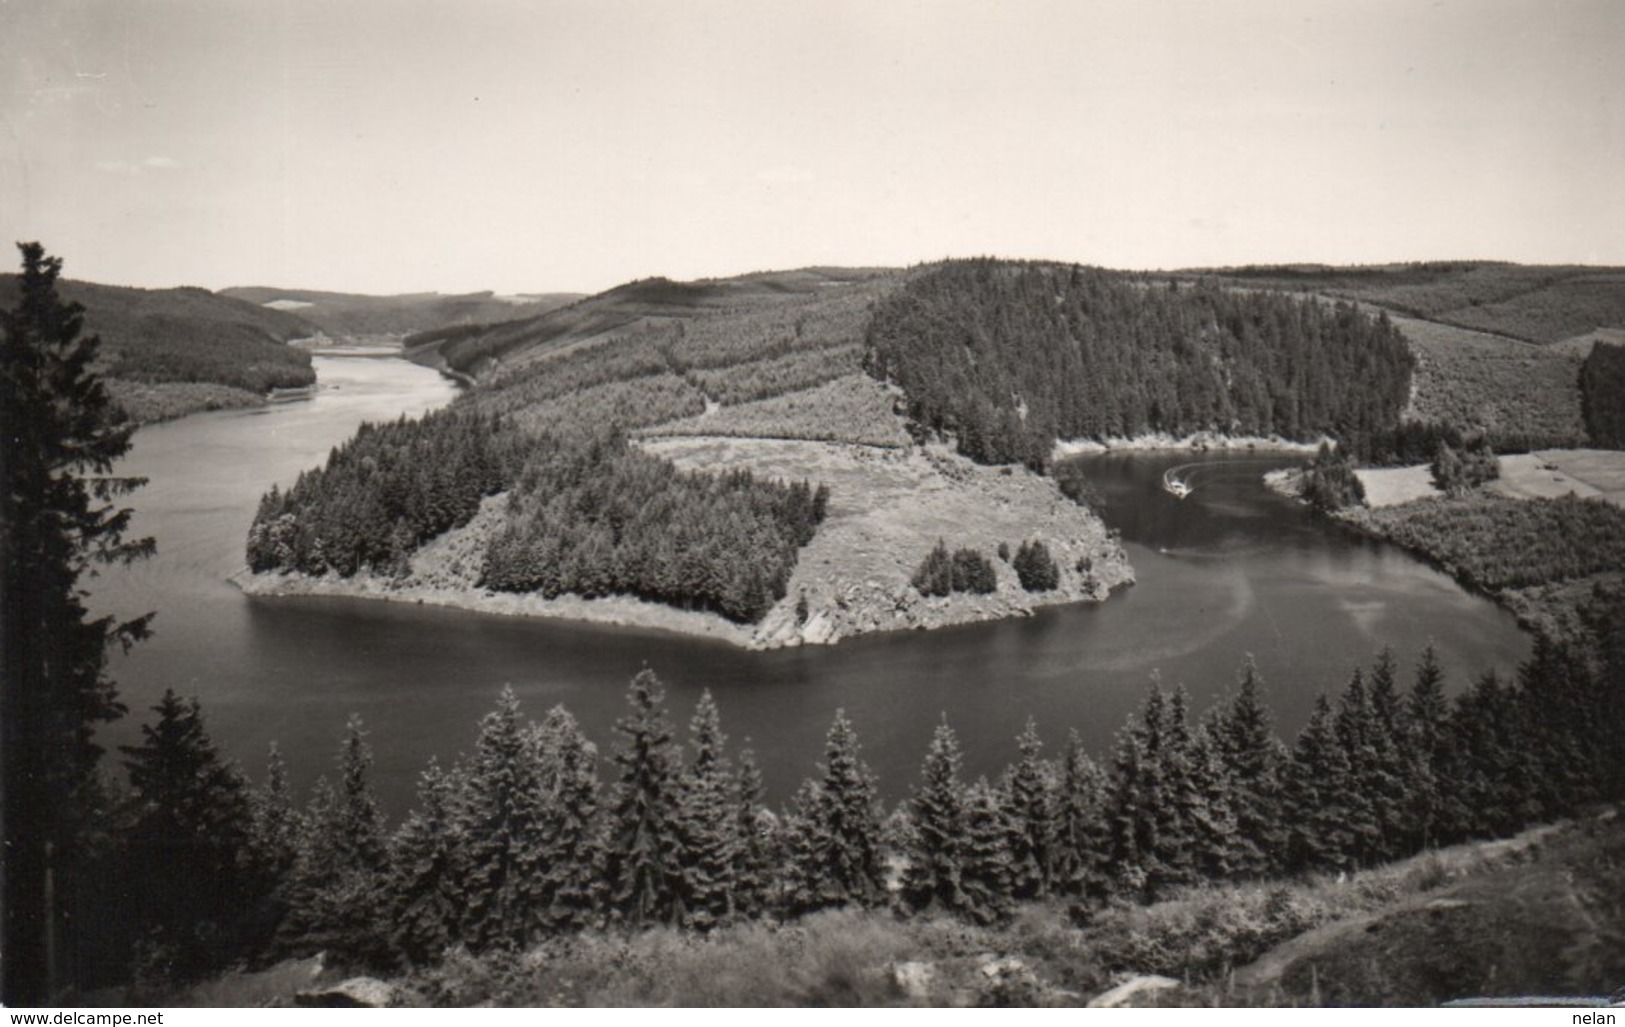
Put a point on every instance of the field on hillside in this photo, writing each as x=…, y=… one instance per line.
x=853, y=408
x=1519, y=394
x=1535, y=303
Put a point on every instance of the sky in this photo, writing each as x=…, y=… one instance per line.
x=570, y=145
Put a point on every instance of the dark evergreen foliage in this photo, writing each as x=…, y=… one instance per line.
x=1459, y=470
x=643, y=845
x=1602, y=395
x=503, y=850
x=965, y=570
x=187, y=849
x=1330, y=483
x=1316, y=790
x=1009, y=357
x=936, y=828
x=835, y=855
x=60, y=437
x=599, y=517
x=381, y=494
x=986, y=872
x=1494, y=542
x=1036, y=568
x=713, y=848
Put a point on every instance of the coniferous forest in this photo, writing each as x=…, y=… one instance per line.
x=586, y=513
x=538, y=832
x=1009, y=357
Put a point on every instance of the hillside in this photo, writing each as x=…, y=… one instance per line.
x=354, y=316
x=650, y=302
x=912, y=398
x=1499, y=346
x=725, y=388
x=1540, y=304
x=167, y=352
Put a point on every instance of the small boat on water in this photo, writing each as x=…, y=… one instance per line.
x=1175, y=486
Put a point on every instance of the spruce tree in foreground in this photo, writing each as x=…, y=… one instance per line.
x=503, y=822
x=836, y=839
x=986, y=870
x=1029, y=796
x=709, y=825
x=937, y=827
x=1253, y=757
x=643, y=848
x=189, y=869
x=60, y=436
x=572, y=878
x=428, y=885
x=1083, y=833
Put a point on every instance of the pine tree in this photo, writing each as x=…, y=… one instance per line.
x=571, y=885
x=1083, y=834
x=1384, y=777
x=1253, y=756
x=936, y=827
x=1030, y=797
x=836, y=841
x=504, y=822
x=275, y=825
x=1217, y=848
x=1428, y=807
x=757, y=856
x=1314, y=801
x=1356, y=730
x=428, y=883
x=644, y=847
x=985, y=876
x=189, y=842
x=709, y=825
x=358, y=836
x=60, y=436
x=337, y=892
x=1179, y=810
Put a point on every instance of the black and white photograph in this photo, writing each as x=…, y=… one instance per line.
x=812, y=503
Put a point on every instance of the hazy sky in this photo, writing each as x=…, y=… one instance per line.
x=536, y=145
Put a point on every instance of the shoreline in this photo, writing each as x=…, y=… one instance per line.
x=1163, y=442
x=630, y=612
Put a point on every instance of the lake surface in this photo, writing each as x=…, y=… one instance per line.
x=1230, y=570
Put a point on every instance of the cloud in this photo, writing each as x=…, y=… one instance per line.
x=131, y=169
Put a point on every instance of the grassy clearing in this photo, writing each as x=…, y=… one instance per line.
x=1390, y=486
x=1512, y=391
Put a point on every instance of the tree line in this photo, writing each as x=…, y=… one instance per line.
x=521, y=839
x=1009, y=357
x=604, y=518
x=587, y=513
x=1602, y=395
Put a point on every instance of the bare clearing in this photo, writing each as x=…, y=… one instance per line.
x=1390, y=486
x=1549, y=473
x=887, y=509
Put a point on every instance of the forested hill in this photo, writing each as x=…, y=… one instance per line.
x=649, y=302
x=1541, y=304
x=351, y=315
x=1009, y=357
x=185, y=337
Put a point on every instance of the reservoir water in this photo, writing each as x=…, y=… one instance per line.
x=1231, y=569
